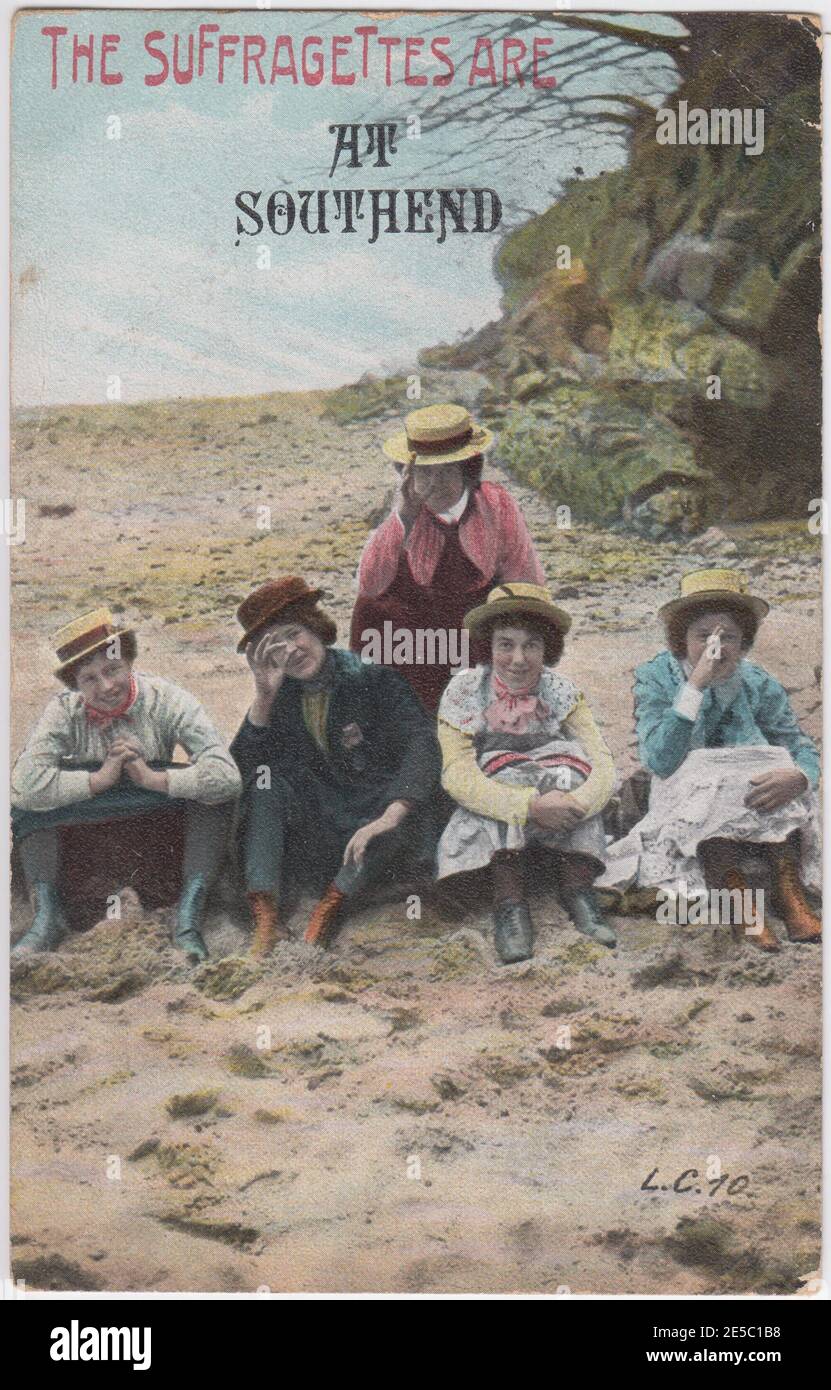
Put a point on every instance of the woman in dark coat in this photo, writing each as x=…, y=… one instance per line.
x=340, y=764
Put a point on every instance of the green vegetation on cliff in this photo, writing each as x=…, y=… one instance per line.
x=660, y=321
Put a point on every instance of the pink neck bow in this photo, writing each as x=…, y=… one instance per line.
x=512, y=711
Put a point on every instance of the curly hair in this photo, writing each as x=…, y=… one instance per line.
x=677, y=625
x=128, y=650
x=471, y=470
x=552, y=636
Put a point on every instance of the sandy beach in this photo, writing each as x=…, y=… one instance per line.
x=401, y=1112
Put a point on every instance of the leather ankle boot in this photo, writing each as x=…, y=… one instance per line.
x=513, y=932
x=801, y=922
x=49, y=926
x=324, y=916
x=188, y=936
x=764, y=940
x=267, y=929
x=584, y=911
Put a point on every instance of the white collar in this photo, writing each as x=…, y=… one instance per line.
x=453, y=513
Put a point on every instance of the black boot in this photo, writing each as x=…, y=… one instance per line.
x=187, y=935
x=584, y=911
x=513, y=932
x=49, y=927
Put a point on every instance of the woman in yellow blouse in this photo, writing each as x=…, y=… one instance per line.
x=526, y=763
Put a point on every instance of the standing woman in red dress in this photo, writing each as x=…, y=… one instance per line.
x=449, y=538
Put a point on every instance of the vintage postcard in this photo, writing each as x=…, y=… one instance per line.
x=415, y=533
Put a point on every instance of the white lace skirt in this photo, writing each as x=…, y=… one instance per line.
x=471, y=840
x=704, y=800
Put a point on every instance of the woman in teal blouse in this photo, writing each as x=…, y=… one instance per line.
x=731, y=764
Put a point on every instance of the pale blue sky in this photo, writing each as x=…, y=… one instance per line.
x=124, y=259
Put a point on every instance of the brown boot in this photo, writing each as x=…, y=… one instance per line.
x=323, y=918
x=764, y=940
x=267, y=927
x=801, y=922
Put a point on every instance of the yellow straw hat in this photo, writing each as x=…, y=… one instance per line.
x=714, y=586
x=438, y=434
x=514, y=601
x=85, y=635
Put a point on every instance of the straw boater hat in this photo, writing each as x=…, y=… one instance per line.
x=282, y=599
x=512, y=601
x=714, y=586
x=85, y=636
x=438, y=434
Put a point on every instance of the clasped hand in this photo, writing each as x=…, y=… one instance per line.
x=556, y=810
x=126, y=754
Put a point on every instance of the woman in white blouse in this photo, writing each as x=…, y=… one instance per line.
x=96, y=782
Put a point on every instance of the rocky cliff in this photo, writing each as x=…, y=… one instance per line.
x=657, y=362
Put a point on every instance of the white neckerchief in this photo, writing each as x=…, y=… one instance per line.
x=453, y=513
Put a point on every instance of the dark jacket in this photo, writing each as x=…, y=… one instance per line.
x=382, y=745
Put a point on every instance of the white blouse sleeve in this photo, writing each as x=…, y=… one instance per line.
x=212, y=775
x=39, y=783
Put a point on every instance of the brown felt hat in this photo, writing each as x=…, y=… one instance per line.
x=277, y=599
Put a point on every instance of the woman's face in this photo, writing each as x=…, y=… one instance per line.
x=297, y=649
x=104, y=681
x=439, y=486
x=518, y=656
x=729, y=642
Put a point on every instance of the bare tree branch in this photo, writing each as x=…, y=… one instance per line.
x=674, y=44
x=637, y=102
